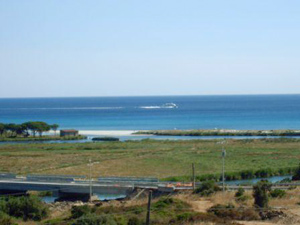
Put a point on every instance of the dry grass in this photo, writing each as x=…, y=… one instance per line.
x=289, y=201
x=148, y=158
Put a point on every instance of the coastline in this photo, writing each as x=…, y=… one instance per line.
x=103, y=132
x=109, y=132
x=221, y=132
x=191, y=133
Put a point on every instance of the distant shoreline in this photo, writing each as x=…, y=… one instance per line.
x=221, y=132
x=200, y=132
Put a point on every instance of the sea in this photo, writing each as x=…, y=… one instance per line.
x=159, y=112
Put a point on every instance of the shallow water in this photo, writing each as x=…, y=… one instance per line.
x=102, y=197
x=255, y=180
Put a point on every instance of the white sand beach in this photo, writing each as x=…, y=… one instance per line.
x=103, y=132
x=107, y=132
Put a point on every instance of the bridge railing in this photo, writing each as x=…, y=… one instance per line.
x=7, y=176
x=129, y=179
x=54, y=178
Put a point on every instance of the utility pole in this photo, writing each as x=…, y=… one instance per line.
x=223, y=168
x=149, y=208
x=193, y=168
x=90, y=176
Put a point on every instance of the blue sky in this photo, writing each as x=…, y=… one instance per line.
x=122, y=48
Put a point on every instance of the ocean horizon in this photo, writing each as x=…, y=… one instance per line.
x=239, y=112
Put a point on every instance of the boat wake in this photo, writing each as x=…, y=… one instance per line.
x=164, y=106
x=68, y=108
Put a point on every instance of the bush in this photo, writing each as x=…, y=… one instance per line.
x=5, y=219
x=230, y=212
x=45, y=193
x=240, y=195
x=277, y=193
x=260, y=193
x=79, y=211
x=207, y=188
x=25, y=207
x=93, y=219
x=296, y=175
x=240, y=192
x=184, y=216
x=134, y=221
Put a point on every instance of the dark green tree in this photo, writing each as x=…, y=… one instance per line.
x=12, y=128
x=54, y=127
x=261, y=193
x=296, y=175
x=31, y=126
x=20, y=129
x=42, y=127
x=37, y=127
x=2, y=128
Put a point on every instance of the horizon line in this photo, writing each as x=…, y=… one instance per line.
x=127, y=96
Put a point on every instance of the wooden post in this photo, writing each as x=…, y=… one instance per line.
x=194, y=184
x=149, y=208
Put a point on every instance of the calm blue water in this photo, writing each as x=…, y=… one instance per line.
x=143, y=113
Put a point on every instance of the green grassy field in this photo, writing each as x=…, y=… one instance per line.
x=162, y=159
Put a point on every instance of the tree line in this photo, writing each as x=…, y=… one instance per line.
x=26, y=129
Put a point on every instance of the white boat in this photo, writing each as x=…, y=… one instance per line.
x=170, y=105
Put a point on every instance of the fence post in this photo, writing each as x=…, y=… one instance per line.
x=149, y=208
x=194, y=184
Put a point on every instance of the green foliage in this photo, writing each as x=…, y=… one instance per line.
x=241, y=175
x=93, y=219
x=207, y=188
x=277, y=193
x=45, y=193
x=5, y=219
x=185, y=216
x=23, y=129
x=240, y=195
x=79, y=211
x=229, y=211
x=296, y=175
x=25, y=207
x=54, y=127
x=134, y=221
x=163, y=203
x=2, y=128
x=240, y=192
x=260, y=193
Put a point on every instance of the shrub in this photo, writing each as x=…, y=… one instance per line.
x=79, y=211
x=5, y=219
x=45, y=193
x=184, y=216
x=207, y=188
x=25, y=207
x=134, y=221
x=296, y=175
x=277, y=193
x=240, y=192
x=93, y=219
x=260, y=193
x=240, y=195
x=285, y=180
x=230, y=212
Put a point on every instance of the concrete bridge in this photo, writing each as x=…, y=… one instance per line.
x=81, y=186
x=77, y=185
